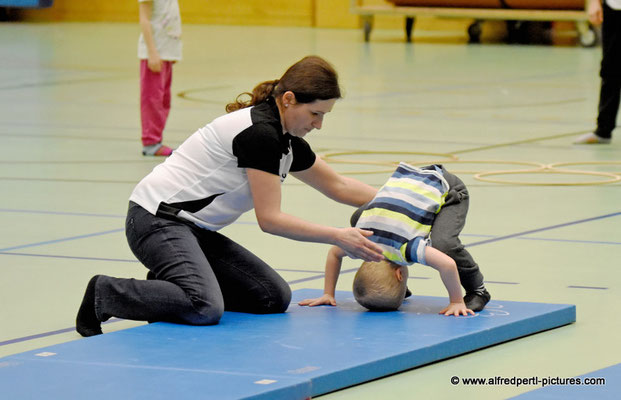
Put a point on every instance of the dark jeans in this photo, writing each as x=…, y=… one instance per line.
x=198, y=274
x=610, y=91
x=445, y=231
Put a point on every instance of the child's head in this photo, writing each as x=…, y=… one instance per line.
x=380, y=286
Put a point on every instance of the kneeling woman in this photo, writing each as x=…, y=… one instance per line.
x=234, y=164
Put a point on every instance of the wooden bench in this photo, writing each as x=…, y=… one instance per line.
x=480, y=11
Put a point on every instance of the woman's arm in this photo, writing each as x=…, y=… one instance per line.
x=337, y=187
x=266, y=194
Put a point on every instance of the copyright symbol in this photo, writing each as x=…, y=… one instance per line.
x=455, y=380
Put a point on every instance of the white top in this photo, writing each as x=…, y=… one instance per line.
x=614, y=4
x=166, y=27
x=204, y=181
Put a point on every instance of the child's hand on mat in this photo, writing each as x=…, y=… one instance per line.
x=326, y=299
x=456, y=309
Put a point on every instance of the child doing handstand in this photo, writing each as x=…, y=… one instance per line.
x=415, y=206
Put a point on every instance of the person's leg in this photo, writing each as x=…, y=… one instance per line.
x=445, y=231
x=610, y=94
x=248, y=284
x=154, y=107
x=610, y=73
x=167, y=68
x=186, y=289
x=151, y=113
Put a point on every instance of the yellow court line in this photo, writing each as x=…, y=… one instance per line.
x=533, y=140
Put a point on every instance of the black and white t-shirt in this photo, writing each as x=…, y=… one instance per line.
x=204, y=181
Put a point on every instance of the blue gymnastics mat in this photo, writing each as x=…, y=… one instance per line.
x=587, y=386
x=302, y=353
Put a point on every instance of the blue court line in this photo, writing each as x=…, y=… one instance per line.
x=63, y=239
x=587, y=287
x=547, y=228
x=51, y=333
x=546, y=239
x=9, y=253
x=73, y=214
x=312, y=278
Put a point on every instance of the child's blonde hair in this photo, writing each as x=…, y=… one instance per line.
x=377, y=288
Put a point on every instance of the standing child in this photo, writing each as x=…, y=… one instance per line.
x=607, y=13
x=416, y=217
x=159, y=47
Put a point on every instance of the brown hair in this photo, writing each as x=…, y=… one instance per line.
x=376, y=287
x=312, y=78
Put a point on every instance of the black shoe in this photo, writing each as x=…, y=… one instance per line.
x=87, y=323
x=408, y=293
x=476, y=301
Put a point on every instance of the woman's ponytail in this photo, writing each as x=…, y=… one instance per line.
x=261, y=92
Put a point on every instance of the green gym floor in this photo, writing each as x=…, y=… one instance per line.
x=545, y=217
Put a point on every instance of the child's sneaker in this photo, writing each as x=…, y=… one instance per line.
x=476, y=301
x=158, y=150
x=591, y=138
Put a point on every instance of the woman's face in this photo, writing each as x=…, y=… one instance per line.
x=301, y=118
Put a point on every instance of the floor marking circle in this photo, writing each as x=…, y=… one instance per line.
x=611, y=178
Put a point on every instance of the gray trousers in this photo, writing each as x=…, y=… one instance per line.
x=197, y=274
x=445, y=231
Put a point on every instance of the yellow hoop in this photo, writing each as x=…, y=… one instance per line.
x=613, y=177
x=562, y=164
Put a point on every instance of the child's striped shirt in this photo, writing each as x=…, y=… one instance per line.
x=403, y=211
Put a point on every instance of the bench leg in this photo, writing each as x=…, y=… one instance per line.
x=409, y=24
x=474, y=31
x=367, y=26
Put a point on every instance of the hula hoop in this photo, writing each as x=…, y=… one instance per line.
x=612, y=178
x=569, y=164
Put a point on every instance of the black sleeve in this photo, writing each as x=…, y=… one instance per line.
x=258, y=148
x=303, y=155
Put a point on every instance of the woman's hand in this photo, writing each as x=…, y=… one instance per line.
x=356, y=245
x=326, y=299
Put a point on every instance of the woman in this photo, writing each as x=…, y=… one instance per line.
x=234, y=164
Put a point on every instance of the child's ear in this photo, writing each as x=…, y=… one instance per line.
x=398, y=274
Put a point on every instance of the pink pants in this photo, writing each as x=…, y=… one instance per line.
x=154, y=101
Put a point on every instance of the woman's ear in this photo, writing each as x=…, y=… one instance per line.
x=288, y=98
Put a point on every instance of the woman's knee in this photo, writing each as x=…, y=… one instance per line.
x=205, y=312
x=277, y=301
